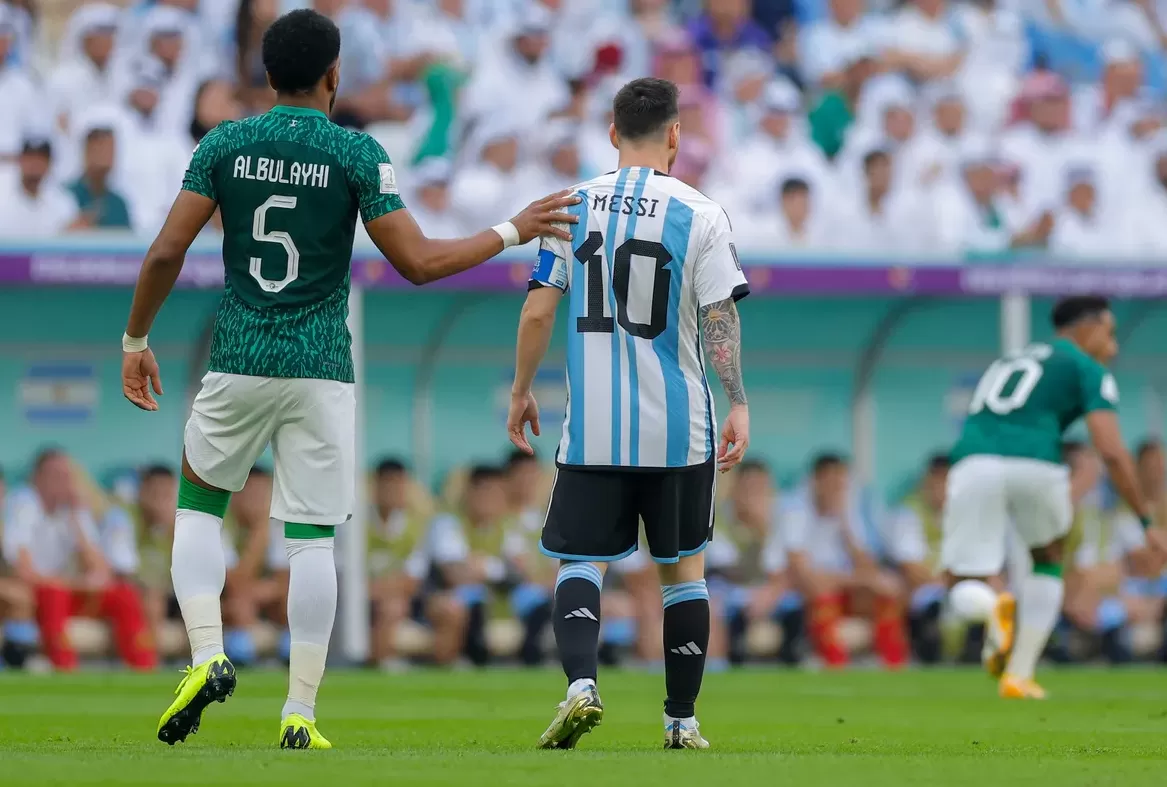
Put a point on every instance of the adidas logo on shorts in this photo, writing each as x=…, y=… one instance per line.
x=689, y=649
x=582, y=612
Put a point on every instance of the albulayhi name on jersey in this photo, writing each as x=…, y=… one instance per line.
x=272, y=170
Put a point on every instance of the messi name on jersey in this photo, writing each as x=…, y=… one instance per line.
x=612, y=203
x=273, y=170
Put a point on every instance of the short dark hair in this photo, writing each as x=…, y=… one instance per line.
x=827, y=460
x=150, y=472
x=939, y=461
x=390, y=464
x=480, y=474
x=644, y=107
x=791, y=185
x=873, y=157
x=298, y=50
x=98, y=133
x=753, y=466
x=1075, y=308
x=44, y=455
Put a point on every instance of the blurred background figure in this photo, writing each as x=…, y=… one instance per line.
x=913, y=539
x=32, y=205
x=17, y=621
x=52, y=542
x=835, y=567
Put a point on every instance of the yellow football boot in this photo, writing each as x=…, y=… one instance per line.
x=296, y=732
x=1000, y=635
x=211, y=681
x=574, y=718
x=1012, y=688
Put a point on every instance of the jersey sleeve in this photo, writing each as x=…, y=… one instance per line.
x=373, y=179
x=551, y=267
x=718, y=274
x=1099, y=389
x=199, y=176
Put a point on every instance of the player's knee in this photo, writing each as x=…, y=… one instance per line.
x=1051, y=554
x=690, y=568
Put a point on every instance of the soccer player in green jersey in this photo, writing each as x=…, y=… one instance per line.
x=289, y=185
x=1007, y=468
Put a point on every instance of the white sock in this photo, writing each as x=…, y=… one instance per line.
x=198, y=571
x=580, y=686
x=971, y=600
x=690, y=721
x=1038, y=608
x=311, y=612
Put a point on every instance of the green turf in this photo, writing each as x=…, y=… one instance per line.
x=768, y=728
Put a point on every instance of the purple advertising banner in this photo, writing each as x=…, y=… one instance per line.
x=791, y=277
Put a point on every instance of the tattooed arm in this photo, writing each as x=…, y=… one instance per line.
x=721, y=332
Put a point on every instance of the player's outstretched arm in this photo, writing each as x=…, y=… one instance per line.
x=721, y=333
x=189, y=214
x=421, y=260
x=1107, y=439
x=536, y=323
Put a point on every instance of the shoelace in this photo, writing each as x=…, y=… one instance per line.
x=189, y=673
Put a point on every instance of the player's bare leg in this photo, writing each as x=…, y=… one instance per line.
x=198, y=571
x=448, y=617
x=576, y=622
x=1038, y=606
x=686, y=643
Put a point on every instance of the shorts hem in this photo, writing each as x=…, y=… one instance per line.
x=208, y=477
x=665, y=561
x=585, y=558
x=326, y=520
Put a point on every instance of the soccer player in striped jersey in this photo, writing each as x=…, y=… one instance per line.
x=651, y=278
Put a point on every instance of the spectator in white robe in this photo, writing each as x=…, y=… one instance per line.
x=152, y=155
x=1143, y=220
x=516, y=78
x=880, y=217
x=595, y=145
x=934, y=157
x=970, y=214
x=922, y=41
x=1096, y=104
x=556, y=165
x=996, y=55
x=886, y=119
x=796, y=221
x=826, y=45
x=1082, y=231
x=33, y=205
x=483, y=192
x=18, y=92
x=169, y=36
x=747, y=176
x=430, y=203
x=1042, y=145
x=85, y=74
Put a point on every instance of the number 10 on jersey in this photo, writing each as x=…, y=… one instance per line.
x=594, y=320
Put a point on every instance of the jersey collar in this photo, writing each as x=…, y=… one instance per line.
x=283, y=109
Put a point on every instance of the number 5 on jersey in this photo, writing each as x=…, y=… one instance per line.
x=259, y=232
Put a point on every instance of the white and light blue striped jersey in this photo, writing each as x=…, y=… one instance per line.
x=647, y=254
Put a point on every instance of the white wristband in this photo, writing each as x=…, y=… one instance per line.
x=509, y=234
x=132, y=345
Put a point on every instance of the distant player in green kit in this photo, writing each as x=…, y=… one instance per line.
x=1007, y=471
x=289, y=185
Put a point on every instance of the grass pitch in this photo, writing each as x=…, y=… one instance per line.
x=942, y=729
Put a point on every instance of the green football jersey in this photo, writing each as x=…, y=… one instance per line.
x=289, y=184
x=1023, y=403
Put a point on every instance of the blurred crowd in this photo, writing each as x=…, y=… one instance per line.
x=818, y=571
x=965, y=128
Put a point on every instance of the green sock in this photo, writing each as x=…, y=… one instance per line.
x=1048, y=569
x=301, y=531
x=193, y=497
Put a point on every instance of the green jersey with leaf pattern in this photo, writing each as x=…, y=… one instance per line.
x=289, y=184
x=1024, y=402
